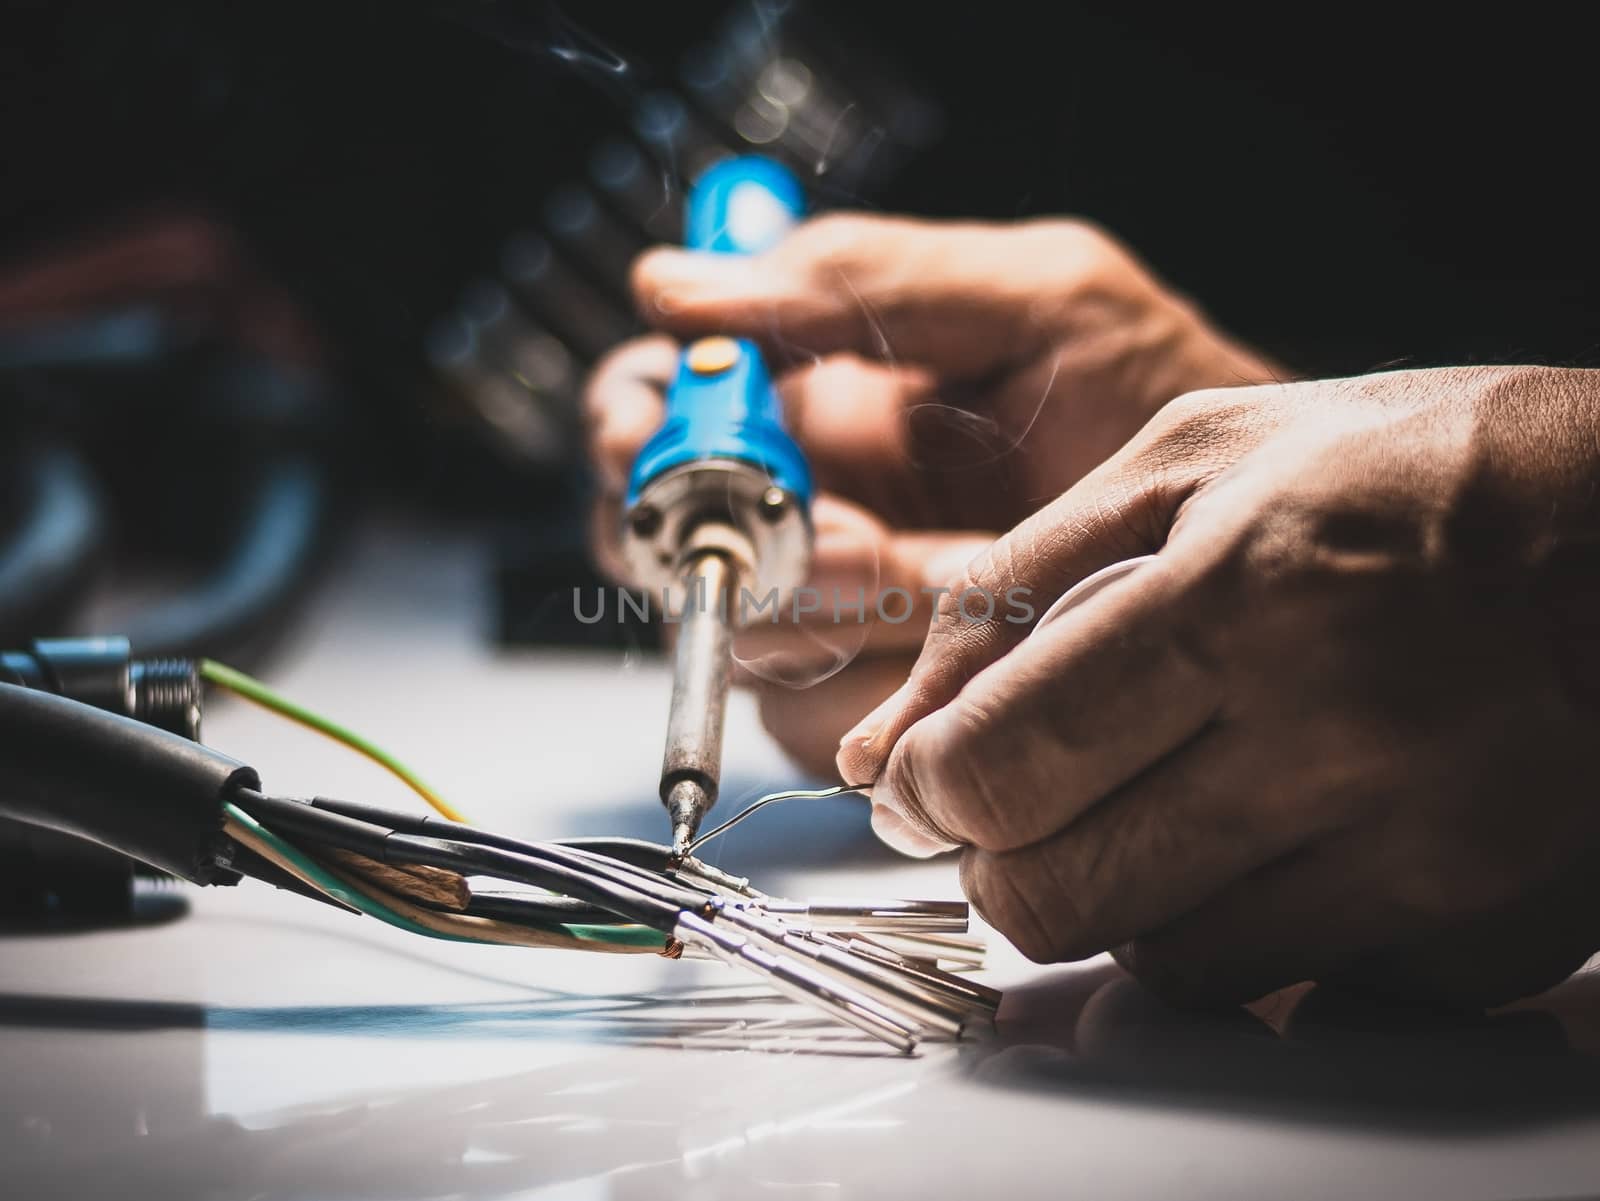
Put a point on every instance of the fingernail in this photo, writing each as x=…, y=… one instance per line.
x=898, y=834
x=666, y=301
x=869, y=725
x=860, y=759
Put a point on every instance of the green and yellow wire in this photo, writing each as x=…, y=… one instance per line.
x=253, y=690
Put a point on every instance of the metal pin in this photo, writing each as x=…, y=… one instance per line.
x=924, y=950
x=890, y=917
x=704, y=874
x=800, y=982
x=883, y=982
x=959, y=946
x=976, y=997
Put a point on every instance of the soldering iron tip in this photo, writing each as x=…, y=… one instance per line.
x=687, y=803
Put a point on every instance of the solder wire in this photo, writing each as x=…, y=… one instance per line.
x=253, y=690
x=792, y=794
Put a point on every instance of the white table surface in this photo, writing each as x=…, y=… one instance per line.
x=264, y=1046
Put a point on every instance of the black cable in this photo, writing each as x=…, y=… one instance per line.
x=401, y=821
x=637, y=852
x=301, y=822
x=116, y=781
x=652, y=856
x=49, y=557
x=526, y=909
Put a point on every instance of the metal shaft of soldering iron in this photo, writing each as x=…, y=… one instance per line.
x=691, y=768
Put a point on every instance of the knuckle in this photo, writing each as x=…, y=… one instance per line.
x=833, y=241
x=966, y=606
x=1127, y=516
x=1077, y=241
x=953, y=636
x=1201, y=419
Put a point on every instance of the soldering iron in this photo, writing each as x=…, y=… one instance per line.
x=718, y=510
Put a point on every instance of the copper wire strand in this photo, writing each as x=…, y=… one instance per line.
x=430, y=885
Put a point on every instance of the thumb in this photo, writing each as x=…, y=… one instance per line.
x=957, y=297
x=1122, y=509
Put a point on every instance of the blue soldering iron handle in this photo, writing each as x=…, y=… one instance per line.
x=742, y=206
x=721, y=404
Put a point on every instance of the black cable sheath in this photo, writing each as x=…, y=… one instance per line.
x=399, y=820
x=116, y=781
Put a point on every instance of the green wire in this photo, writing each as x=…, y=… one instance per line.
x=622, y=936
x=254, y=690
x=630, y=936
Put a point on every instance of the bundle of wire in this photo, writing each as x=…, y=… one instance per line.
x=888, y=968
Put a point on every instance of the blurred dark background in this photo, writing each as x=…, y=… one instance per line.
x=258, y=260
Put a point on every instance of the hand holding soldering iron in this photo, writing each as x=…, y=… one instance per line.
x=943, y=379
